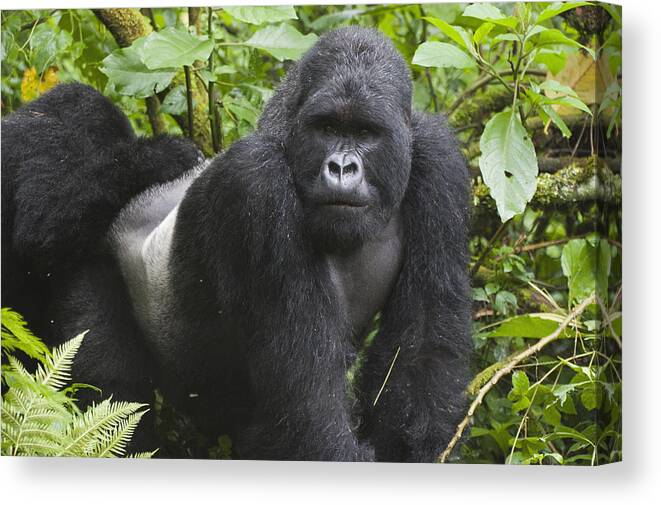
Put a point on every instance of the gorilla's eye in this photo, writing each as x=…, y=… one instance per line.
x=330, y=129
x=365, y=133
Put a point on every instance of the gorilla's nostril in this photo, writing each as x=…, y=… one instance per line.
x=351, y=169
x=334, y=168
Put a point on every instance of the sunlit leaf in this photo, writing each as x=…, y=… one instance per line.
x=508, y=163
x=441, y=55
x=558, y=8
x=262, y=14
x=130, y=76
x=172, y=48
x=489, y=12
x=284, y=42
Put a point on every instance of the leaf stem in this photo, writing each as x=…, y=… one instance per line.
x=189, y=100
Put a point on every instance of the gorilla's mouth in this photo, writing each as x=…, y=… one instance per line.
x=339, y=200
x=344, y=204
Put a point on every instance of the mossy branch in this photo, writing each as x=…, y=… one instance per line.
x=583, y=180
x=127, y=25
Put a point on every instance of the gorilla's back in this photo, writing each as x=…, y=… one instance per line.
x=140, y=239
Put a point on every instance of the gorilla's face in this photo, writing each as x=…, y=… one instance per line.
x=350, y=153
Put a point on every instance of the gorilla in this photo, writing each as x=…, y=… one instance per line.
x=243, y=288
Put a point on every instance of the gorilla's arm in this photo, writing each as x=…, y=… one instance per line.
x=70, y=162
x=239, y=228
x=427, y=317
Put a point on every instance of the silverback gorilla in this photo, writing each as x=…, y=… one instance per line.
x=243, y=288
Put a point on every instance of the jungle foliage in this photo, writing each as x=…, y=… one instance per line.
x=533, y=91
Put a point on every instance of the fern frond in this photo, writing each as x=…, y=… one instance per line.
x=117, y=441
x=17, y=336
x=39, y=416
x=97, y=424
x=17, y=367
x=142, y=455
x=57, y=370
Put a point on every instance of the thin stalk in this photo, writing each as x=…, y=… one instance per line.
x=189, y=100
x=490, y=244
x=212, y=102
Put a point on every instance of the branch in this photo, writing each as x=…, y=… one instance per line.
x=127, y=25
x=513, y=362
x=481, y=83
x=584, y=180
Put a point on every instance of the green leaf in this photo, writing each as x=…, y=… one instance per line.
x=562, y=390
x=557, y=120
x=263, y=14
x=284, y=42
x=171, y=48
x=441, y=55
x=552, y=416
x=482, y=32
x=570, y=101
x=323, y=23
x=449, y=30
x=558, y=8
x=491, y=13
x=552, y=37
x=589, y=397
x=551, y=85
x=242, y=109
x=586, y=264
x=520, y=383
x=129, y=76
x=46, y=44
x=527, y=326
x=505, y=302
x=508, y=163
x=175, y=102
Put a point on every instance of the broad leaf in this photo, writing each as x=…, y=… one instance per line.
x=284, y=42
x=586, y=264
x=508, y=163
x=46, y=44
x=175, y=101
x=173, y=48
x=263, y=14
x=558, y=8
x=452, y=32
x=440, y=54
x=553, y=37
x=482, y=32
x=552, y=115
x=129, y=75
x=553, y=60
x=527, y=326
x=491, y=13
x=555, y=86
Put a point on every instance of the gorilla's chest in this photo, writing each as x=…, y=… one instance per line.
x=363, y=279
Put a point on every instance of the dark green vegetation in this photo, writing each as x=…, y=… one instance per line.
x=533, y=91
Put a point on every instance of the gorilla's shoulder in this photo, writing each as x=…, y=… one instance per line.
x=432, y=127
x=252, y=174
x=75, y=108
x=437, y=157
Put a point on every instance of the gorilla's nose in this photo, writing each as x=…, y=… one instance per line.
x=343, y=171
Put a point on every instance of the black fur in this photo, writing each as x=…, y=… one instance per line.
x=256, y=330
x=70, y=162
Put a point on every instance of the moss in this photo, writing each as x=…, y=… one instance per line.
x=478, y=108
x=584, y=180
x=126, y=25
